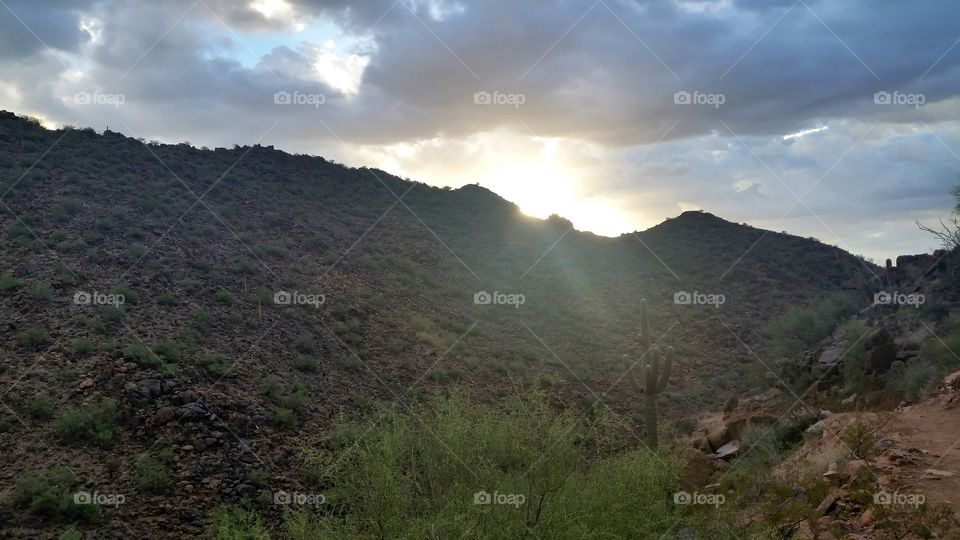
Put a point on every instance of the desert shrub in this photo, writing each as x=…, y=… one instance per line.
x=112, y=315
x=39, y=407
x=8, y=282
x=152, y=476
x=861, y=439
x=167, y=351
x=130, y=296
x=51, y=495
x=224, y=296
x=97, y=423
x=307, y=363
x=426, y=471
x=271, y=387
x=234, y=523
x=853, y=351
x=304, y=344
x=283, y=418
x=40, y=293
x=201, y=319
x=802, y=327
x=141, y=354
x=166, y=299
x=919, y=378
x=135, y=252
x=34, y=338
x=215, y=364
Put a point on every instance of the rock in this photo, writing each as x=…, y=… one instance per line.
x=86, y=383
x=731, y=404
x=712, y=487
x=857, y=471
x=245, y=489
x=718, y=437
x=936, y=474
x=879, y=359
x=165, y=415
x=697, y=468
x=148, y=388
x=730, y=449
x=848, y=402
x=866, y=518
x=828, y=503
x=192, y=411
x=831, y=471
x=815, y=430
x=879, y=337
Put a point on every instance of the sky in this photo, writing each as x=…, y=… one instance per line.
x=833, y=120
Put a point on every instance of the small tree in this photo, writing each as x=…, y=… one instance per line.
x=949, y=231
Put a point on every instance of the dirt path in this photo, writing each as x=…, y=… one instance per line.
x=933, y=428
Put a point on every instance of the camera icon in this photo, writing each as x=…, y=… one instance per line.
x=483, y=298
x=882, y=497
x=882, y=98
x=682, y=497
x=882, y=298
x=682, y=298
x=482, y=98
x=82, y=298
x=282, y=98
x=482, y=497
x=82, y=497
x=82, y=98
x=282, y=298
x=281, y=497
x=681, y=98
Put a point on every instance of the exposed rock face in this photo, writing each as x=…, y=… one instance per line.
x=881, y=350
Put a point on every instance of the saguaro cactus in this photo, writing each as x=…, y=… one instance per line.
x=654, y=374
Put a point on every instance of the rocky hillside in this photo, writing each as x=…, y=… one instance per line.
x=180, y=324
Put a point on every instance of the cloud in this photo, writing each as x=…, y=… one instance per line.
x=600, y=80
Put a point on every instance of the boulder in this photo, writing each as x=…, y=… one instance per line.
x=881, y=357
x=729, y=450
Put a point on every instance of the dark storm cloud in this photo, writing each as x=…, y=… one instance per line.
x=600, y=73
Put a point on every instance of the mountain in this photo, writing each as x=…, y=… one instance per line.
x=220, y=309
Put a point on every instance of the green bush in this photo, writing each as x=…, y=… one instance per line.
x=97, y=423
x=224, y=297
x=215, y=364
x=34, y=338
x=8, y=282
x=233, y=523
x=152, y=476
x=39, y=407
x=82, y=346
x=414, y=475
x=307, y=363
x=50, y=495
x=141, y=354
x=802, y=327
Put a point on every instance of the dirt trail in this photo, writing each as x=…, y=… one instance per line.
x=933, y=428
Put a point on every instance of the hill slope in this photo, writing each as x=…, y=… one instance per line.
x=204, y=367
